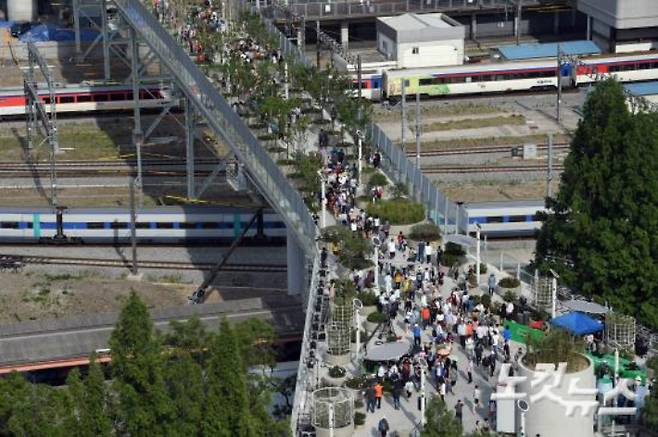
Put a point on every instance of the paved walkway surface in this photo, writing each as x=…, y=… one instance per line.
x=405, y=421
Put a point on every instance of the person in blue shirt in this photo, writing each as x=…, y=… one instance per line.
x=507, y=334
x=417, y=333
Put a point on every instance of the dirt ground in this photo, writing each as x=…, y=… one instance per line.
x=35, y=296
x=495, y=191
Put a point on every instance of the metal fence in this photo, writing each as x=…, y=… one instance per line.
x=445, y=213
x=369, y=8
x=302, y=388
x=263, y=171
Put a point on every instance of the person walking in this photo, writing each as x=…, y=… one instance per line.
x=417, y=334
x=491, y=282
x=379, y=392
x=428, y=252
x=397, y=391
x=370, y=399
x=469, y=370
x=408, y=387
x=459, y=410
x=477, y=395
x=383, y=427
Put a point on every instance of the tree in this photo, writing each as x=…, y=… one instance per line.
x=189, y=337
x=184, y=383
x=601, y=234
x=226, y=410
x=650, y=409
x=255, y=338
x=88, y=415
x=440, y=421
x=144, y=408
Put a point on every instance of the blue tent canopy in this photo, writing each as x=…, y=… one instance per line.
x=577, y=323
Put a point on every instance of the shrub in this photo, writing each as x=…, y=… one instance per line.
x=509, y=296
x=400, y=190
x=425, y=232
x=483, y=268
x=356, y=383
x=485, y=300
x=359, y=418
x=555, y=347
x=397, y=211
x=368, y=299
x=377, y=179
x=509, y=282
x=335, y=233
x=454, y=249
x=450, y=259
x=337, y=372
x=377, y=317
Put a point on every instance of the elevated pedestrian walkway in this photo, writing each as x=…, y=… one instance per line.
x=226, y=124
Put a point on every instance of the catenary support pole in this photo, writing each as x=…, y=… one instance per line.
x=137, y=129
x=403, y=106
x=190, y=127
x=477, y=255
x=133, y=228
x=549, y=175
x=559, y=83
x=418, y=130
x=317, y=44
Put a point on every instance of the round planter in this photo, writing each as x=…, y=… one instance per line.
x=335, y=382
x=547, y=417
x=503, y=290
x=337, y=360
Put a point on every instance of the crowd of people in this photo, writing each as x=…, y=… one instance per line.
x=415, y=294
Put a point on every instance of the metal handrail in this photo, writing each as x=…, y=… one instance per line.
x=265, y=174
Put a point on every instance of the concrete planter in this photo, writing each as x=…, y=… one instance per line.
x=503, y=290
x=337, y=360
x=547, y=417
x=370, y=326
x=335, y=382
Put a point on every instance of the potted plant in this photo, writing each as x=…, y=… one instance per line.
x=336, y=376
x=374, y=320
x=359, y=418
x=544, y=355
x=509, y=284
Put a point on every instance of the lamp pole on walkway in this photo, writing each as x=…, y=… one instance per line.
x=375, y=243
x=323, y=201
x=477, y=255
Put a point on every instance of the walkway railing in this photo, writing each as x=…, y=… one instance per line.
x=263, y=171
x=445, y=213
x=336, y=10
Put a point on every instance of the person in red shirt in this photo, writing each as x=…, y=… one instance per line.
x=379, y=392
x=425, y=314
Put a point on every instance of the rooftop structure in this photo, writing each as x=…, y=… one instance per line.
x=534, y=51
x=421, y=40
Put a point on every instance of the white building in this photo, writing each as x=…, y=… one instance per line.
x=427, y=40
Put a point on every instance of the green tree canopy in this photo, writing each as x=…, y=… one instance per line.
x=601, y=234
x=440, y=421
x=144, y=408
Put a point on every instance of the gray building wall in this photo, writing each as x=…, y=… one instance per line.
x=622, y=14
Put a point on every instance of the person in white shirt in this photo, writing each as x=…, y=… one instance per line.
x=509, y=310
x=391, y=248
x=428, y=252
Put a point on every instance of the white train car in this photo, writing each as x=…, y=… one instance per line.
x=86, y=99
x=505, y=219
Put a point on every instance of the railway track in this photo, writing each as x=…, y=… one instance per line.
x=17, y=261
x=481, y=149
x=461, y=169
x=75, y=169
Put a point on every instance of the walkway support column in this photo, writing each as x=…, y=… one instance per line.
x=345, y=34
x=296, y=267
x=474, y=27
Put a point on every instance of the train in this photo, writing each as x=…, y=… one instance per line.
x=87, y=98
x=499, y=77
x=167, y=224
x=505, y=219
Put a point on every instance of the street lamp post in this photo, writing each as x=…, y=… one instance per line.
x=375, y=243
x=359, y=142
x=554, y=293
x=323, y=201
x=357, y=319
x=477, y=254
x=422, y=399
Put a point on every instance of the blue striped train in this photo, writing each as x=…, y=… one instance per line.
x=168, y=224
x=505, y=219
